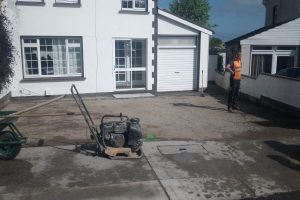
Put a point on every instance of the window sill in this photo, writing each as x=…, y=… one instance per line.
x=52, y=79
x=20, y=3
x=70, y=5
x=136, y=12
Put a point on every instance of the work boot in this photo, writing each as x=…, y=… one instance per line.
x=236, y=107
x=229, y=109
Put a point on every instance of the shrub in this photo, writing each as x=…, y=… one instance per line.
x=6, y=53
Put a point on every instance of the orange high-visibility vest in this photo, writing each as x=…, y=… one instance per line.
x=237, y=65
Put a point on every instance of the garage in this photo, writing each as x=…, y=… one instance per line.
x=182, y=53
x=177, y=64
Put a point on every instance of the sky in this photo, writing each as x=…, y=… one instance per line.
x=232, y=17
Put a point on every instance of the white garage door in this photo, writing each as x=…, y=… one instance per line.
x=176, y=68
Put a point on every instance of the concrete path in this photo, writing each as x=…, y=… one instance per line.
x=169, y=170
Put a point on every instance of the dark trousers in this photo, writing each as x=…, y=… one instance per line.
x=233, y=92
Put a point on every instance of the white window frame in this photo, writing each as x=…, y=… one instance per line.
x=133, y=6
x=38, y=46
x=30, y=1
x=67, y=2
x=131, y=69
x=275, y=53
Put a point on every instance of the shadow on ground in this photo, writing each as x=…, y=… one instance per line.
x=290, y=157
x=282, y=196
x=273, y=118
x=196, y=106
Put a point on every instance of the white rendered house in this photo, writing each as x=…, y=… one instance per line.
x=103, y=46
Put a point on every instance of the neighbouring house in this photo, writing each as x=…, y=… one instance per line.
x=265, y=52
x=278, y=11
x=103, y=46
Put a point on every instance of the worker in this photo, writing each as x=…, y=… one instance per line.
x=235, y=69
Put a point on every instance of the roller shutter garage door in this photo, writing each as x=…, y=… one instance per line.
x=176, y=65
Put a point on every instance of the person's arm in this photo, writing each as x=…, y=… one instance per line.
x=228, y=67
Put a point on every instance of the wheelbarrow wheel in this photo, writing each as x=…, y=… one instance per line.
x=9, y=151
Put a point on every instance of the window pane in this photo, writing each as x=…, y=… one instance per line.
x=28, y=41
x=27, y=49
x=68, y=1
x=291, y=48
x=284, y=62
x=262, y=48
x=177, y=41
x=28, y=56
x=138, y=53
x=261, y=63
x=127, y=4
x=75, y=62
x=49, y=41
x=123, y=54
x=37, y=1
x=31, y=63
x=42, y=41
x=123, y=80
x=34, y=56
x=74, y=41
x=140, y=3
x=139, y=79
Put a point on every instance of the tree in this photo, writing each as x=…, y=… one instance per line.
x=6, y=52
x=196, y=11
x=216, y=45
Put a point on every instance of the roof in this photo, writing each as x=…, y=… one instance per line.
x=184, y=22
x=255, y=32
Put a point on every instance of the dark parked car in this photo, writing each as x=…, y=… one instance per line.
x=290, y=72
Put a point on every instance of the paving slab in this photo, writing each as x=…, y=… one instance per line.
x=43, y=171
x=244, y=167
x=169, y=170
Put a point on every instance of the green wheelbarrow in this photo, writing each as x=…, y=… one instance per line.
x=11, y=139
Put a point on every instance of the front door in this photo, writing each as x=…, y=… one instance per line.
x=130, y=64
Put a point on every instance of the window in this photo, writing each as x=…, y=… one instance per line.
x=287, y=48
x=30, y=2
x=272, y=59
x=177, y=41
x=262, y=48
x=261, y=63
x=130, y=63
x=284, y=62
x=134, y=5
x=52, y=57
x=67, y=3
x=137, y=75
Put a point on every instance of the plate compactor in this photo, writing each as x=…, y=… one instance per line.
x=117, y=136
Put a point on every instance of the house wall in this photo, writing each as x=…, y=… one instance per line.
x=3, y=93
x=222, y=79
x=277, y=88
x=204, y=57
x=285, y=34
x=169, y=27
x=98, y=26
x=280, y=89
x=287, y=10
x=212, y=66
